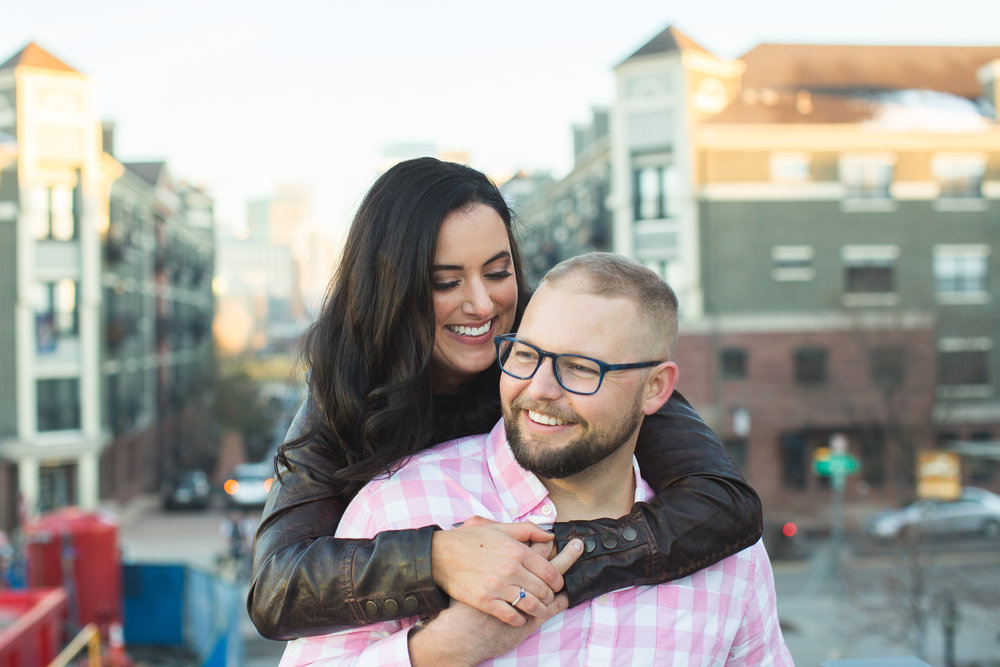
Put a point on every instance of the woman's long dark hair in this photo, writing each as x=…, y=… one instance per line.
x=369, y=351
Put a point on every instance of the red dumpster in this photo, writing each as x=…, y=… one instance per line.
x=78, y=551
x=32, y=624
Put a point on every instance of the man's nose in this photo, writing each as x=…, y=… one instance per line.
x=544, y=384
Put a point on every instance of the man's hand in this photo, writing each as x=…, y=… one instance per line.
x=485, y=564
x=462, y=635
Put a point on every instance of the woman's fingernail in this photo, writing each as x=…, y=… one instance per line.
x=577, y=545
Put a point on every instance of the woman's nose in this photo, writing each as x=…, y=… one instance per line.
x=477, y=301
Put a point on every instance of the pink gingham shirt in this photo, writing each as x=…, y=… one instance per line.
x=724, y=614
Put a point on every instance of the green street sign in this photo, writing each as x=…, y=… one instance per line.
x=837, y=465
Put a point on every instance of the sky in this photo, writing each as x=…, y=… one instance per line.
x=241, y=96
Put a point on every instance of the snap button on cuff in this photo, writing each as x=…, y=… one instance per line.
x=589, y=544
x=391, y=606
x=371, y=608
x=609, y=542
x=411, y=603
x=629, y=534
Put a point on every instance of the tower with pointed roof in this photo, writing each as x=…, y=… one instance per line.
x=50, y=214
x=664, y=88
x=105, y=300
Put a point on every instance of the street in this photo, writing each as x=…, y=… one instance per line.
x=828, y=609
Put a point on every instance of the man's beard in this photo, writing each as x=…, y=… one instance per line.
x=592, y=447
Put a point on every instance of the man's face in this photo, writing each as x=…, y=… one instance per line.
x=552, y=432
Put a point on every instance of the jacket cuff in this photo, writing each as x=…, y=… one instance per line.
x=616, y=553
x=410, y=590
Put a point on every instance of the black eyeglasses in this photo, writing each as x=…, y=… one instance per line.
x=574, y=373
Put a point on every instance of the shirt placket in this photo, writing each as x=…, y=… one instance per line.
x=603, y=631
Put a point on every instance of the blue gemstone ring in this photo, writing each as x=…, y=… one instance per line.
x=520, y=596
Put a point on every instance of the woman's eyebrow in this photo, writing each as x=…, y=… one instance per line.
x=458, y=267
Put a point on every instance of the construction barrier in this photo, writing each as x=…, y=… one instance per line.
x=184, y=612
x=32, y=626
x=78, y=551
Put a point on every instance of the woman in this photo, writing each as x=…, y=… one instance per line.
x=401, y=358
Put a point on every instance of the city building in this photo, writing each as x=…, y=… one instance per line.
x=828, y=216
x=271, y=279
x=559, y=219
x=105, y=291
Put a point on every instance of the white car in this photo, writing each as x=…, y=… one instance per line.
x=248, y=484
x=976, y=511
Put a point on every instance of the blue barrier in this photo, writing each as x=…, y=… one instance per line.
x=182, y=610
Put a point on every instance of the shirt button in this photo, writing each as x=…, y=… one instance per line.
x=411, y=604
x=391, y=606
x=629, y=534
x=546, y=510
x=609, y=542
x=371, y=608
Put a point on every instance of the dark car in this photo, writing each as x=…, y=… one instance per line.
x=188, y=489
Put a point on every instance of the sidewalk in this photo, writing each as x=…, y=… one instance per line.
x=821, y=622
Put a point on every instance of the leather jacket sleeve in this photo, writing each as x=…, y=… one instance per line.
x=703, y=512
x=306, y=582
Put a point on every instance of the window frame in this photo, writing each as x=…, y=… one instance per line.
x=811, y=366
x=728, y=355
x=964, y=291
x=51, y=416
x=867, y=179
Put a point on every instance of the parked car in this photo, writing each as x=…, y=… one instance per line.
x=248, y=484
x=186, y=489
x=976, y=511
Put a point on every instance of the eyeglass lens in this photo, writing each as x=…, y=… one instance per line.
x=576, y=374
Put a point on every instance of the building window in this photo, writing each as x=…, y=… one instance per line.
x=979, y=469
x=794, y=461
x=58, y=404
x=961, y=270
x=733, y=363
x=810, y=365
x=790, y=167
x=737, y=450
x=57, y=220
x=867, y=177
x=872, y=445
x=56, y=486
x=887, y=366
x=56, y=313
x=655, y=190
x=959, y=176
x=792, y=263
x=963, y=367
x=869, y=275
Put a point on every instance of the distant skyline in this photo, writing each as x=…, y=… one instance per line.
x=242, y=96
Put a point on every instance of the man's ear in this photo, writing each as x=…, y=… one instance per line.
x=659, y=386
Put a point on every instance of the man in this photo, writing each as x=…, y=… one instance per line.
x=565, y=449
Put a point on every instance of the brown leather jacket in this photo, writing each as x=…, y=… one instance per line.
x=305, y=582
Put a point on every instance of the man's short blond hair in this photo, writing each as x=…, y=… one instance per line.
x=609, y=275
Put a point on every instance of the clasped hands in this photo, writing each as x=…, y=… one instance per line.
x=483, y=566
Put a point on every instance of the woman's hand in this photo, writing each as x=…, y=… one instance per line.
x=486, y=564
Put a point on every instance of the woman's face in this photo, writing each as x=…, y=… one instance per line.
x=475, y=294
